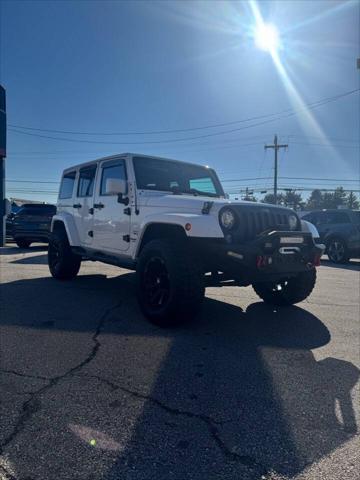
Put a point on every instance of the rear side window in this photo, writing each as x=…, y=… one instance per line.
x=67, y=185
x=112, y=170
x=86, y=181
x=337, y=217
x=38, y=210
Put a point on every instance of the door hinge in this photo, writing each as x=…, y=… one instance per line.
x=127, y=211
x=90, y=233
x=126, y=238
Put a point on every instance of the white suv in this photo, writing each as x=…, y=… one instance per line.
x=172, y=223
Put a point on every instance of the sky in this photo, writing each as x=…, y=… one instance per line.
x=104, y=67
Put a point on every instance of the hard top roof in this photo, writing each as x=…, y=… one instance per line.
x=123, y=155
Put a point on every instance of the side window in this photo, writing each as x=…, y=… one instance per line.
x=86, y=181
x=67, y=185
x=337, y=217
x=113, y=170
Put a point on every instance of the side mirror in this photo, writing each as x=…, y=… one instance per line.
x=115, y=186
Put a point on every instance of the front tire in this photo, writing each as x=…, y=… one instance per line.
x=170, y=286
x=288, y=291
x=337, y=251
x=63, y=264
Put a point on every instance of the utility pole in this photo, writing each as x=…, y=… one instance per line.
x=276, y=147
x=2, y=164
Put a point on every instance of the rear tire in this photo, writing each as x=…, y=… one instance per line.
x=289, y=291
x=23, y=243
x=170, y=286
x=63, y=264
x=337, y=250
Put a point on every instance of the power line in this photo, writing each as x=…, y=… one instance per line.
x=33, y=181
x=292, y=178
x=249, y=179
x=321, y=138
x=157, y=132
x=325, y=145
x=175, y=140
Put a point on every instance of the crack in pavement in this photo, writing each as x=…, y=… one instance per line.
x=24, y=375
x=33, y=405
x=210, y=423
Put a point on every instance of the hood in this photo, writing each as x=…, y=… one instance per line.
x=194, y=204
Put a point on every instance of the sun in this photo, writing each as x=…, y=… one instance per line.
x=267, y=37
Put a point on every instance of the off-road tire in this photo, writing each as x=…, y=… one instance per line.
x=170, y=267
x=63, y=264
x=22, y=242
x=294, y=289
x=337, y=250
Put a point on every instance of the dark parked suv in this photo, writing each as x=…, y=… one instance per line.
x=340, y=231
x=32, y=224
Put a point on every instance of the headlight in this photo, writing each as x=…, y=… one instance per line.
x=227, y=219
x=293, y=222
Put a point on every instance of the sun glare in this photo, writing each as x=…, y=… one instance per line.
x=267, y=37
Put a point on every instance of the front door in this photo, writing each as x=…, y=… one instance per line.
x=111, y=218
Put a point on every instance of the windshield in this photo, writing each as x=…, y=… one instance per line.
x=176, y=177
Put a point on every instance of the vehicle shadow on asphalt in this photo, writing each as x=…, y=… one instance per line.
x=238, y=395
x=351, y=265
x=14, y=250
x=32, y=260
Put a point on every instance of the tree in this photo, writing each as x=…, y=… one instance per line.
x=293, y=199
x=336, y=199
x=352, y=202
x=339, y=198
x=315, y=201
x=270, y=198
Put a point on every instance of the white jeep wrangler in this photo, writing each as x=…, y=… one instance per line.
x=172, y=223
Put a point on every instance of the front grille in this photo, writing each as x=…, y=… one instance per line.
x=254, y=220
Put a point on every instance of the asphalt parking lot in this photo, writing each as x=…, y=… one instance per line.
x=90, y=390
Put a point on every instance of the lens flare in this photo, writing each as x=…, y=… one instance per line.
x=267, y=37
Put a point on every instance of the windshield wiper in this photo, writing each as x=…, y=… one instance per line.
x=192, y=191
x=196, y=192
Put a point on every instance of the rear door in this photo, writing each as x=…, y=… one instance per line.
x=111, y=218
x=83, y=203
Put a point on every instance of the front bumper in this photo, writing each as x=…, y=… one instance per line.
x=270, y=256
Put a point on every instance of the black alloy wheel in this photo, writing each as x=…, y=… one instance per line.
x=287, y=291
x=337, y=251
x=170, y=283
x=63, y=264
x=156, y=283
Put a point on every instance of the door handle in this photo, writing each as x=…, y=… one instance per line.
x=99, y=205
x=77, y=205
